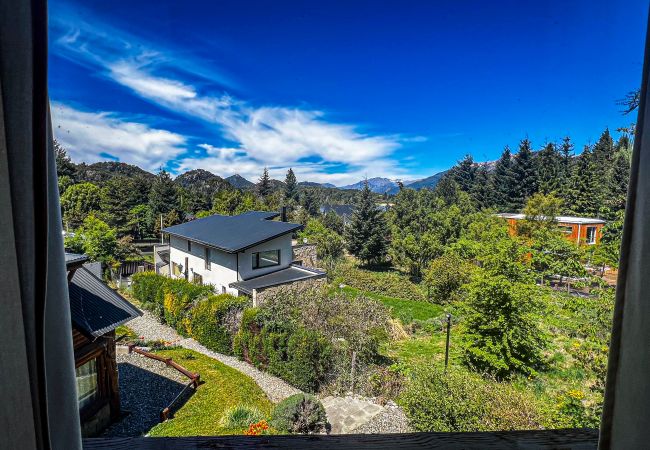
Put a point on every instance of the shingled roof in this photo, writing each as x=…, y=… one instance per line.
x=95, y=308
x=233, y=234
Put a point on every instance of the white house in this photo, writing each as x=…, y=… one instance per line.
x=240, y=254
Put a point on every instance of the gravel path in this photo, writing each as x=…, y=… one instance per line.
x=392, y=420
x=149, y=328
x=146, y=387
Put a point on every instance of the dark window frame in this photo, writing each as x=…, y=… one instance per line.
x=207, y=256
x=256, y=259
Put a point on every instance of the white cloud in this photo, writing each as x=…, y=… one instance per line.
x=274, y=136
x=88, y=135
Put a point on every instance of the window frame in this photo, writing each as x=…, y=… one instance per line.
x=207, y=255
x=91, y=396
x=256, y=259
x=189, y=246
x=595, y=232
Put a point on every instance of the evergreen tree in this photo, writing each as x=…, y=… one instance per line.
x=367, y=232
x=524, y=175
x=549, y=169
x=618, y=182
x=566, y=163
x=583, y=186
x=64, y=165
x=481, y=193
x=163, y=197
x=310, y=203
x=264, y=184
x=464, y=173
x=503, y=182
x=118, y=196
x=291, y=187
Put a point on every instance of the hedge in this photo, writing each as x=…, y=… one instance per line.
x=299, y=356
x=191, y=308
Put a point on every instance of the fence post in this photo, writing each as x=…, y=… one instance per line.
x=447, y=344
x=352, y=370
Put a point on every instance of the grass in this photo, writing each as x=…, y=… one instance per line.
x=128, y=333
x=223, y=389
x=407, y=311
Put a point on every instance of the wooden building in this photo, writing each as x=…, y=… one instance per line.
x=581, y=230
x=96, y=310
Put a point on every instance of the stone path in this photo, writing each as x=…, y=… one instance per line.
x=345, y=414
x=150, y=329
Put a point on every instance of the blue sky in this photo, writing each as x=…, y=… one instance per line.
x=337, y=90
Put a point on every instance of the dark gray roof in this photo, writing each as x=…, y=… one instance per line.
x=73, y=259
x=282, y=276
x=94, y=307
x=233, y=234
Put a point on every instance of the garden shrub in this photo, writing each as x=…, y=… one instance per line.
x=460, y=401
x=386, y=383
x=241, y=416
x=300, y=413
x=299, y=356
x=215, y=320
x=446, y=277
x=388, y=283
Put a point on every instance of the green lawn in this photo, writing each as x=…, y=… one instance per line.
x=405, y=310
x=222, y=389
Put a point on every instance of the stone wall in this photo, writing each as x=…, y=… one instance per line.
x=306, y=253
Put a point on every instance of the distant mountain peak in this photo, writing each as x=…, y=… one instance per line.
x=239, y=182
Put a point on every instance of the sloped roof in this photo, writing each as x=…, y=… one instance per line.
x=277, y=278
x=340, y=210
x=233, y=234
x=73, y=259
x=559, y=219
x=94, y=307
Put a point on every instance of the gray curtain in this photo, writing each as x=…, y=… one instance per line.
x=626, y=415
x=38, y=388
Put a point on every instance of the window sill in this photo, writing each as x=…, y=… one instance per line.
x=578, y=439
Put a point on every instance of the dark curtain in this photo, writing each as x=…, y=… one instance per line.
x=626, y=415
x=38, y=390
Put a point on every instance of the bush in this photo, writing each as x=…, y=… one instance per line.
x=241, y=417
x=388, y=283
x=459, y=401
x=446, y=277
x=300, y=413
x=215, y=320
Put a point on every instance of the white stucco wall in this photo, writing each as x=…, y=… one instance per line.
x=282, y=243
x=223, y=266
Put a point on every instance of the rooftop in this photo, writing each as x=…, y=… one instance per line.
x=74, y=259
x=95, y=308
x=559, y=219
x=280, y=277
x=233, y=234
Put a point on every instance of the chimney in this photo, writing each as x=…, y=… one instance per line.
x=283, y=214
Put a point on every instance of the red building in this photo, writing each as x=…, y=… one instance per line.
x=581, y=230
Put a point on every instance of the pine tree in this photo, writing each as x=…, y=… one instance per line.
x=583, y=184
x=264, y=184
x=549, y=169
x=291, y=186
x=366, y=234
x=163, y=197
x=310, y=203
x=481, y=193
x=503, y=182
x=618, y=183
x=464, y=173
x=524, y=175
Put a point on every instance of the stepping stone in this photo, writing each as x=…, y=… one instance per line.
x=347, y=414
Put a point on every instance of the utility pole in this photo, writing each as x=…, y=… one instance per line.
x=447, y=344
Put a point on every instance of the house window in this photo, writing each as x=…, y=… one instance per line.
x=198, y=279
x=176, y=269
x=189, y=246
x=207, y=258
x=591, y=235
x=566, y=229
x=266, y=259
x=87, y=383
x=223, y=289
